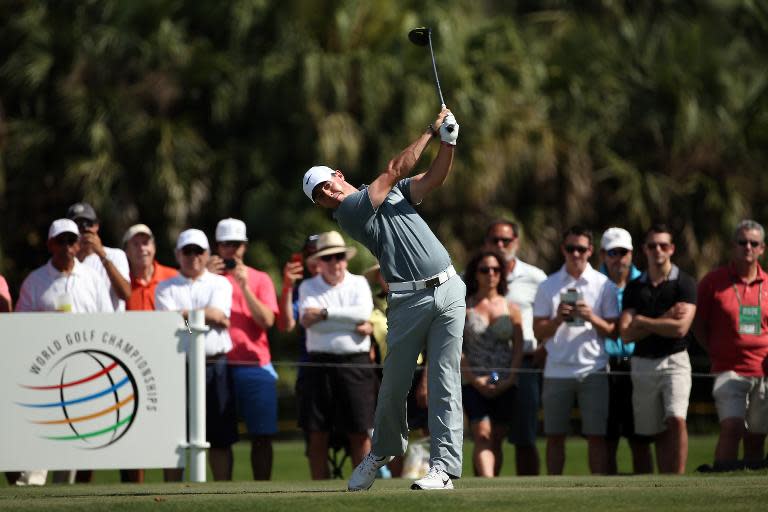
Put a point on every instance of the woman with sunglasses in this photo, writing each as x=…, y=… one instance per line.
x=491, y=354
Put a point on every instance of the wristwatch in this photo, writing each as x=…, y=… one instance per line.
x=431, y=129
x=324, y=314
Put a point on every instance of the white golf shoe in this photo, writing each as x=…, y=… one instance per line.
x=435, y=480
x=365, y=473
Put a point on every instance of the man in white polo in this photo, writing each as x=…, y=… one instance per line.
x=66, y=285
x=196, y=288
x=339, y=390
x=575, y=308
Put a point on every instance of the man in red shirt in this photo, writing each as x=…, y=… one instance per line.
x=146, y=273
x=254, y=308
x=732, y=326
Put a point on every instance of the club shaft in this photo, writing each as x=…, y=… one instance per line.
x=434, y=68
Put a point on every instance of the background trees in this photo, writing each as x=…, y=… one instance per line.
x=179, y=113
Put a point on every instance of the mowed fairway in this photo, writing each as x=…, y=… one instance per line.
x=291, y=490
x=570, y=494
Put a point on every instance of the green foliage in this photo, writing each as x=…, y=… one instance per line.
x=179, y=113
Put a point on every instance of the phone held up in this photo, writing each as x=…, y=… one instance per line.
x=570, y=297
x=296, y=257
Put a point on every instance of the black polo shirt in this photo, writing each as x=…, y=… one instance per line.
x=654, y=301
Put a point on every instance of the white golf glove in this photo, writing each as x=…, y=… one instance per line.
x=449, y=130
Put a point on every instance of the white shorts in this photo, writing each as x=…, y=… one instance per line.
x=661, y=390
x=737, y=396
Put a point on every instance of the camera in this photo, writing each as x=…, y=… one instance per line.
x=230, y=263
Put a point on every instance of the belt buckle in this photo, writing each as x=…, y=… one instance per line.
x=431, y=283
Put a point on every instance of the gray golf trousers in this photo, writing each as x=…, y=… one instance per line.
x=431, y=318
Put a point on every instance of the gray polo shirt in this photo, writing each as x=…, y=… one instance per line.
x=395, y=233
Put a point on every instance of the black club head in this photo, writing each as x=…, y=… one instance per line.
x=420, y=36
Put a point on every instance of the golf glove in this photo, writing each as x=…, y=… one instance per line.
x=449, y=130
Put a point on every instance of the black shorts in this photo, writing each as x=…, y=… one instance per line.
x=621, y=418
x=220, y=409
x=498, y=409
x=417, y=416
x=338, y=398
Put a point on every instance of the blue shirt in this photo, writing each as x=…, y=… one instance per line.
x=615, y=347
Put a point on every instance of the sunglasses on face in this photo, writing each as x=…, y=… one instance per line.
x=752, y=243
x=570, y=249
x=617, y=252
x=192, y=250
x=330, y=257
x=66, y=240
x=664, y=246
x=504, y=241
x=489, y=270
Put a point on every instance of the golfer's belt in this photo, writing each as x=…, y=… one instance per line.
x=430, y=282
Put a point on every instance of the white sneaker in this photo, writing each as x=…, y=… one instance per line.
x=365, y=473
x=435, y=480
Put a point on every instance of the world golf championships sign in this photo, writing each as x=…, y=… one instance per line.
x=92, y=391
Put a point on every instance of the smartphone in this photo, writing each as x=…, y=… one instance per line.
x=571, y=296
x=230, y=263
x=296, y=257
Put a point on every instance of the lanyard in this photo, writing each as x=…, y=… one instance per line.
x=759, y=294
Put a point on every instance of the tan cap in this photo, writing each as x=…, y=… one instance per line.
x=135, y=230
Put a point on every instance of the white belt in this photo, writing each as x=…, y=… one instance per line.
x=430, y=282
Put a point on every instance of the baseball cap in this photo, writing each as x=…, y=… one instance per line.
x=192, y=237
x=82, y=211
x=231, y=230
x=135, y=230
x=314, y=176
x=616, y=237
x=60, y=226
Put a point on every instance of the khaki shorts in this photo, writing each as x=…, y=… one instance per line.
x=661, y=389
x=737, y=396
x=592, y=394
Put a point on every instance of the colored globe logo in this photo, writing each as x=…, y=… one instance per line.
x=91, y=399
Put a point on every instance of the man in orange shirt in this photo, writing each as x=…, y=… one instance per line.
x=146, y=273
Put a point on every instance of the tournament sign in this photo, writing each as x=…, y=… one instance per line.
x=92, y=391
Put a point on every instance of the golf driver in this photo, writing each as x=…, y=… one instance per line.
x=422, y=36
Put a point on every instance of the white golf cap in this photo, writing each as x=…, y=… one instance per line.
x=192, y=237
x=60, y=226
x=135, y=230
x=231, y=230
x=616, y=237
x=314, y=176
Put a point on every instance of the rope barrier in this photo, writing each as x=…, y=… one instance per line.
x=311, y=364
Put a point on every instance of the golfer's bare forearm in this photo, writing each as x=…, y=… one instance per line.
x=402, y=165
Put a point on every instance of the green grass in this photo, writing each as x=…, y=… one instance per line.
x=290, y=465
x=734, y=493
x=292, y=491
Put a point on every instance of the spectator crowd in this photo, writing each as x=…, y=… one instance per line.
x=611, y=341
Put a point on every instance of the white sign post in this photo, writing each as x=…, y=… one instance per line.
x=92, y=391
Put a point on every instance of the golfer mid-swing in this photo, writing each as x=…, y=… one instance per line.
x=426, y=300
